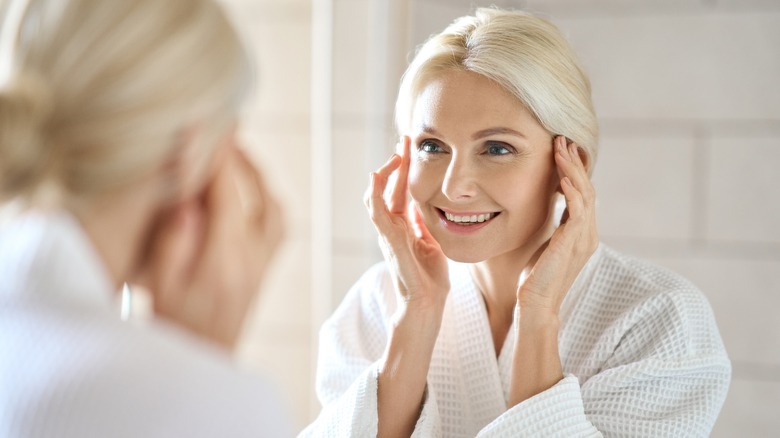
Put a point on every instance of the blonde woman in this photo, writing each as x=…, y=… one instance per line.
x=493, y=315
x=117, y=139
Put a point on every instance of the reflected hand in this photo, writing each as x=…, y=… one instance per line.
x=418, y=264
x=571, y=245
x=210, y=255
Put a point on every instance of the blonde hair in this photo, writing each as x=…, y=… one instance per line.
x=100, y=92
x=524, y=54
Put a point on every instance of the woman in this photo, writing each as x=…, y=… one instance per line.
x=532, y=327
x=117, y=137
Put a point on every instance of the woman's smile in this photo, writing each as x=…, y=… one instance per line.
x=465, y=222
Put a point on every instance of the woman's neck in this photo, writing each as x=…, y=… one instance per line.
x=498, y=278
x=118, y=227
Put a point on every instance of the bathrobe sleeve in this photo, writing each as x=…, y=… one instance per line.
x=351, y=344
x=667, y=376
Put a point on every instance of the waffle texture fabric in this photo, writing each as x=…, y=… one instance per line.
x=69, y=367
x=640, y=350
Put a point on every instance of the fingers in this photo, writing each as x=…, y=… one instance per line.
x=174, y=257
x=569, y=162
x=375, y=201
x=575, y=205
x=388, y=168
x=398, y=203
x=575, y=183
x=374, y=197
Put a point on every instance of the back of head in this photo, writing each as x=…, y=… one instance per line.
x=526, y=55
x=99, y=90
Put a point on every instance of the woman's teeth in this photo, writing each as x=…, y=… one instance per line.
x=474, y=218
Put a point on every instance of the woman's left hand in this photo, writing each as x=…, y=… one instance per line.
x=571, y=245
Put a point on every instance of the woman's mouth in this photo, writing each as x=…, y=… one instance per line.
x=465, y=222
x=466, y=219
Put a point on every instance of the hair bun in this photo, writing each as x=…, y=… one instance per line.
x=25, y=108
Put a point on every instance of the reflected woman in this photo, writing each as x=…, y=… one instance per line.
x=492, y=315
x=117, y=138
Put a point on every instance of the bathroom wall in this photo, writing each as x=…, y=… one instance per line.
x=276, y=131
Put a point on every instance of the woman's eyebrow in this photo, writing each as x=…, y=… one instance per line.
x=492, y=131
x=429, y=130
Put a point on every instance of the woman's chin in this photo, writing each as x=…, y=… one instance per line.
x=462, y=255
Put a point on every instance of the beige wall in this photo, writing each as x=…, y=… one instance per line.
x=687, y=94
x=276, y=130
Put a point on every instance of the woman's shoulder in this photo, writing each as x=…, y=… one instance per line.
x=634, y=308
x=631, y=278
x=628, y=292
x=128, y=373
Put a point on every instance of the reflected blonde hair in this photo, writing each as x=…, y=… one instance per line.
x=526, y=55
x=100, y=92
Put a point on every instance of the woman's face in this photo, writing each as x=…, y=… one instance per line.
x=482, y=170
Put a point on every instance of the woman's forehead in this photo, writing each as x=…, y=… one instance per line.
x=468, y=102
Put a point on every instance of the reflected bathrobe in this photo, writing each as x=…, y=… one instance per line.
x=69, y=367
x=641, y=356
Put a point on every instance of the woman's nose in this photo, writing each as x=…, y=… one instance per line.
x=460, y=181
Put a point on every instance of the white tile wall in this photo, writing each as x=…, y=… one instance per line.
x=278, y=336
x=283, y=154
x=750, y=410
x=349, y=268
x=283, y=65
x=351, y=42
x=743, y=197
x=351, y=151
x=601, y=7
x=285, y=299
x=430, y=17
x=645, y=187
x=744, y=296
x=713, y=65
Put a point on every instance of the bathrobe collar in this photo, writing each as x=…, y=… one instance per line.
x=487, y=378
x=48, y=256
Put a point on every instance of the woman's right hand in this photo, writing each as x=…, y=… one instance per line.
x=418, y=264
x=421, y=278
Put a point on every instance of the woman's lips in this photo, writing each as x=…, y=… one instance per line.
x=465, y=222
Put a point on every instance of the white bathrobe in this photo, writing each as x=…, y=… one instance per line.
x=641, y=355
x=69, y=367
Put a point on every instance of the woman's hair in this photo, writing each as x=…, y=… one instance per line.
x=526, y=55
x=100, y=93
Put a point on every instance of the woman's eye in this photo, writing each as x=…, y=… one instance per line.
x=498, y=149
x=429, y=147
